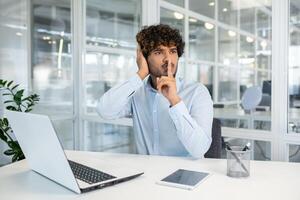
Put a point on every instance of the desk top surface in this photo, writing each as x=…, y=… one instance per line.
x=268, y=180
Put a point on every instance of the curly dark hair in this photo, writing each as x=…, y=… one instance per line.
x=150, y=37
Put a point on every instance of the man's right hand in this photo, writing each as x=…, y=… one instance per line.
x=142, y=64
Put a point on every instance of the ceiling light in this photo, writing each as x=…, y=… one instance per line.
x=178, y=15
x=249, y=39
x=263, y=44
x=225, y=10
x=46, y=38
x=211, y=4
x=231, y=33
x=208, y=26
x=226, y=61
x=19, y=34
x=192, y=20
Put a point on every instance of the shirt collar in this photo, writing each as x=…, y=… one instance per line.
x=149, y=87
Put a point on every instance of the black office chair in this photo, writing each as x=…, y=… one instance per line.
x=216, y=145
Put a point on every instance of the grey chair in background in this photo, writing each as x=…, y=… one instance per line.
x=216, y=145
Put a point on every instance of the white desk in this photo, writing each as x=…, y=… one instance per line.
x=268, y=180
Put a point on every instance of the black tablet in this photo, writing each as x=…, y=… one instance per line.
x=185, y=179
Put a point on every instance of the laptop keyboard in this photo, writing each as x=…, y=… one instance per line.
x=88, y=174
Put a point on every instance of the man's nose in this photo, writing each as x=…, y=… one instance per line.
x=167, y=57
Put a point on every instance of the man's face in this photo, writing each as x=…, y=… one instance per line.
x=158, y=60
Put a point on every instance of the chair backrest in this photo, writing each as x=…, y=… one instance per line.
x=251, y=98
x=216, y=145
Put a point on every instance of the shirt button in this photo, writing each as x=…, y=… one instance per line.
x=154, y=111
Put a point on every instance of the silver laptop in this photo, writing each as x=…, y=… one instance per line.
x=46, y=156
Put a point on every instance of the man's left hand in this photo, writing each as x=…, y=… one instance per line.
x=166, y=85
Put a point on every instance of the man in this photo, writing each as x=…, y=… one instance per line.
x=170, y=117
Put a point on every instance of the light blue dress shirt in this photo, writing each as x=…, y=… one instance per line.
x=181, y=130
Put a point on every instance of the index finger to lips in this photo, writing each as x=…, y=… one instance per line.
x=169, y=68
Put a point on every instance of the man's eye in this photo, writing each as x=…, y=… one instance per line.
x=157, y=53
x=174, y=51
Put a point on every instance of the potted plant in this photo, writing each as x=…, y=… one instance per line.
x=14, y=100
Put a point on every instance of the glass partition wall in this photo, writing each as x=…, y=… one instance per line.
x=14, y=34
x=294, y=80
x=51, y=64
x=228, y=49
x=109, y=59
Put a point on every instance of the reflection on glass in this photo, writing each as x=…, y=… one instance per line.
x=261, y=150
x=263, y=125
x=201, y=40
x=103, y=71
x=294, y=153
x=261, y=77
x=51, y=56
x=108, y=138
x=173, y=19
x=13, y=42
x=247, y=50
x=206, y=7
x=263, y=54
x=251, y=51
x=227, y=46
x=247, y=15
x=227, y=84
x=112, y=23
x=201, y=73
x=264, y=24
x=227, y=12
x=294, y=71
x=232, y=123
x=64, y=131
x=246, y=78
x=176, y=2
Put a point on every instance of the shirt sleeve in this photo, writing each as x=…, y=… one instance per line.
x=116, y=103
x=194, y=126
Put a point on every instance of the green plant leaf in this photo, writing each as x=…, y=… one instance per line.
x=11, y=108
x=27, y=98
x=22, y=156
x=14, y=158
x=6, y=129
x=13, y=144
x=9, y=152
x=6, y=94
x=18, y=97
x=5, y=121
x=15, y=87
x=2, y=136
x=9, y=83
x=20, y=93
x=8, y=101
